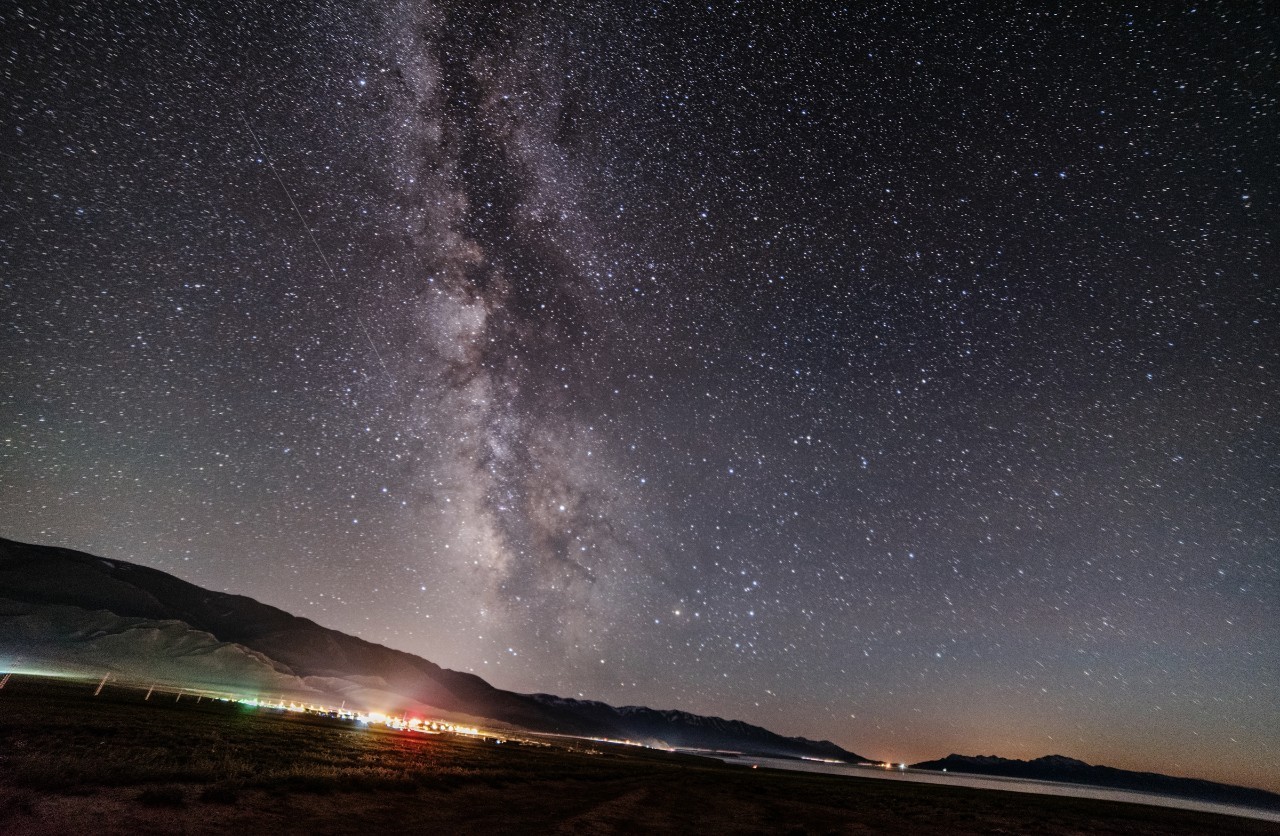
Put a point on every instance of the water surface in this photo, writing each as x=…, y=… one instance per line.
x=993, y=782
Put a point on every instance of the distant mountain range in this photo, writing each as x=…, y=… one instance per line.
x=1069, y=770
x=67, y=611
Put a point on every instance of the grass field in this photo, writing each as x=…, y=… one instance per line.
x=74, y=763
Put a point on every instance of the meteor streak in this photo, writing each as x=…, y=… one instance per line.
x=315, y=243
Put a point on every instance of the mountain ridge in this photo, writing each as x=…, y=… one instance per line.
x=76, y=607
x=1063, y=769
x=90, y=613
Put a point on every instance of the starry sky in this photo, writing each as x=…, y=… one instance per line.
x=902, y=374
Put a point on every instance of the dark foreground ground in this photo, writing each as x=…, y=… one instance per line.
x=73, y=763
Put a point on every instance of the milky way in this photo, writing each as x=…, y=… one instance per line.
x=516, y=487
x=897, y=376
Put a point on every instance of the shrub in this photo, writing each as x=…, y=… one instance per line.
x=220, y=794
x=162, y=797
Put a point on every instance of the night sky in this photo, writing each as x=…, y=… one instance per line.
x=902, y=374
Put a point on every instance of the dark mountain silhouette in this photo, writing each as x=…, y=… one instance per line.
x=687, y=730
x=1072, y=771
x=72, y=611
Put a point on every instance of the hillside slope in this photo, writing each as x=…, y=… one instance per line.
x=59, y=606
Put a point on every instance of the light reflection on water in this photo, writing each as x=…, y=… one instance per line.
x=989, y=782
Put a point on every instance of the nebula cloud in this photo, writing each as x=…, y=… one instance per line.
x=517, y=488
